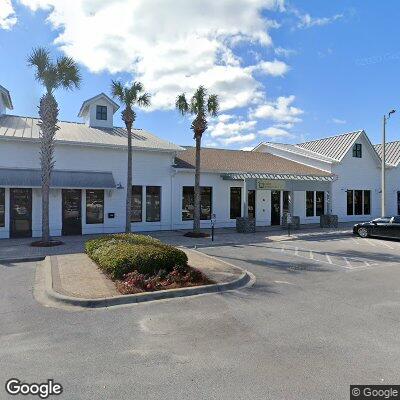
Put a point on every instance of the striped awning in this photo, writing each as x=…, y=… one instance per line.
x=285, y=177
x=31, y=178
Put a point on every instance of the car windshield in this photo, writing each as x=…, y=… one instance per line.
x=384, y=220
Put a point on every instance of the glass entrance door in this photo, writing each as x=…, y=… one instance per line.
x=20, y=212
x=251, y=203
x=275, y=207
x=71, y=212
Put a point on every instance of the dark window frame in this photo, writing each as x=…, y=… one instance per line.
x=139, y=193
x=235, y=211
x=350, y=202
x=357, y=150
x=356, y=202
x=367, y=205
x=319, y=205
x=158, y=219
x=89, y=221
x=101, y=113
x=310, y=205
x=398, y=202
x=2, y=207
x=190, y=192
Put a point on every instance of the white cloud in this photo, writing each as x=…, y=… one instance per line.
x=281, y=111
x=274, y=68
x=240, y=138
x=307, y=21
x=229, y=129
x=7, y=15
x=247, y=148
x=282, y=52
x=338, y=121
x=170, y=45
x=275, y=133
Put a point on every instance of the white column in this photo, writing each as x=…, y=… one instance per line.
x=245, y=200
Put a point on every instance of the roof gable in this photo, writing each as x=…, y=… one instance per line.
x=102, y=96
x=5, y=94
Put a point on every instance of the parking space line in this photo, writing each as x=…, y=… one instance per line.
x=347, y=262
x=311, y=255
x=370, y=242
x=296, y=251
x=382, y=243
x=328, y=258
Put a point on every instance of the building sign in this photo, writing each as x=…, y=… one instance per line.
x=270, y=184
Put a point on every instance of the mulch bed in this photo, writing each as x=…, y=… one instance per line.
x=134, y=282
x=192, y=234
x=51, y=243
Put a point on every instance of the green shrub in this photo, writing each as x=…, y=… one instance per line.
x=120, y=254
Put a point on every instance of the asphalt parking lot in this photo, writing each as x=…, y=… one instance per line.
x=324, y=313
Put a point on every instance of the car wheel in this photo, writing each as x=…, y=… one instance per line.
x=363, y=232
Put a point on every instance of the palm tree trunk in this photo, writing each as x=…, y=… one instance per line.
x=129, y=182
x=48, y=112
x=197, y=202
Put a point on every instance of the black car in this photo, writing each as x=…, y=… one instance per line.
x=384, y=227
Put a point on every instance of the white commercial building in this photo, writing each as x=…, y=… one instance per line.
x=338, y=175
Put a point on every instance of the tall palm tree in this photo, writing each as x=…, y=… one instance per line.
x=200, y=105
x=63, y=73
x=129, y=96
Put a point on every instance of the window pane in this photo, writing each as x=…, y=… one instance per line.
x=153, y=203
x=206, y=202
x=309, y=204
x=367, y=202
x=398, y=203
x=136, y=206
x=349, y=202
x=94, y=206
x=2, y=206
x=188, y=203
x=357, y=152
x=101, y=113
x=358, y=209
x=286, y=201
x=236, y=202
x=320, y=203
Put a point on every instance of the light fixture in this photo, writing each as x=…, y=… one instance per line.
x=119, y=186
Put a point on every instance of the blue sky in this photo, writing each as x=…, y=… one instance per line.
x=285, y=71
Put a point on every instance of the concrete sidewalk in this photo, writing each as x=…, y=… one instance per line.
x=76, y=275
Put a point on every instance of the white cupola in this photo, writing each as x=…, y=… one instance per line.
x=99, y=111
x=5, y=100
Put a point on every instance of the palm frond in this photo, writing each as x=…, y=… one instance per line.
x=117, y=90
x=213, y=105
x=50, y=78
x=144, y=100
x=197, y=103
x=39, y=58
x=68, y=73
x=181, y=104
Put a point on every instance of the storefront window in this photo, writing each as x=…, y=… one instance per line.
x=94, y=206
x=319, y=203
x=136, y=206
x=236, y=202
x=188, y=203
x=367, y=202
x=350, y=202
x=309, y=204
x=358, y=208
x=286, y=195
x=153, y=203
x=2, y=207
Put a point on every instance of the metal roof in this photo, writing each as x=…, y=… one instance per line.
x=5, y=94
x=26, y=128
x=392, y=150
x=31, y=178
x=334, y=147
x=292, y=148
x=87, y=102
x=289, y=177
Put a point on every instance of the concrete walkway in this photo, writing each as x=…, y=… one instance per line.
x=76, y=275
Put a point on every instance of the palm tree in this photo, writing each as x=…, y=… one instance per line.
x=129, y=96
x=63, y=73
x=200, y=105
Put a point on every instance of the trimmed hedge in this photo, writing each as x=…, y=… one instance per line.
x=120, y=254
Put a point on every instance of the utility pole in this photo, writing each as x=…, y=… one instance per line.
x=383, y=168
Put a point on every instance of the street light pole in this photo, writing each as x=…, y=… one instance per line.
x=383, y=168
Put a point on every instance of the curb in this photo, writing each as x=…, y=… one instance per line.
x=22, y=259
x=246, y=279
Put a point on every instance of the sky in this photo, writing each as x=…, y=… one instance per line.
x=284, y=71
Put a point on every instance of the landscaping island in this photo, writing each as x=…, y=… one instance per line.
x=139, y=263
